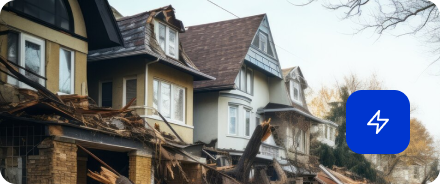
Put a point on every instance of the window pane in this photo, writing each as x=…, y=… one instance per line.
x=107, y=94
x=130, y=90
x=178, y=103
x=263, y=42
x=172, y=43
x=13, y=53
x=248, y=123
x=13, y=47
x=296, y=94
x=232, y=120
x=65, y=83
x=249, y=81
x=156, y=94
x=32, y=60
x=243, y=79
x=165, y=98
x=162, y=36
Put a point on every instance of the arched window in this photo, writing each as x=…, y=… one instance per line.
x=54, y=12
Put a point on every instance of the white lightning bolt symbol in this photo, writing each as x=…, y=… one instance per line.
x=378, y=129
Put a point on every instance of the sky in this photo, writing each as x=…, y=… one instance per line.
x=325, y=48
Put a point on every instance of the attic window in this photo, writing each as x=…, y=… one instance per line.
x=263, y=42
x=295, y=92
x=168, y=39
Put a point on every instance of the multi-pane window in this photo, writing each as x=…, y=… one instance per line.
x=130, y=90
x=263, y=42
x=28, y=52
x=233, y=117
x=245, y=80
x=67, y=67
x=247, y=122
x=168, y=39
x=295, y=92
x=53, y=12
x=106, y=94
x=169, y=100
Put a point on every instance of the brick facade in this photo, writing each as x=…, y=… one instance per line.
x=140, y=169
x=55, y=164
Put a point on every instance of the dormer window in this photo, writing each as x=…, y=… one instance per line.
x=168, y=39
x=295, y=92
x=263, y=42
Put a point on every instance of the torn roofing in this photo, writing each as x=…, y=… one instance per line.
x=219, y=48
x=139, y=39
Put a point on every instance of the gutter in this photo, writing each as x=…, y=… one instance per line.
x=329, y=174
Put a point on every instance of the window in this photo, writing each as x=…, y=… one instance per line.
x=130, y=90
x=416, y=172
x=28, y=52
x=168, y=39
x=106, y=94
x=263, y=42
x=67, y=68
x=53, y=12
x=245, y=80
x=232, y=125
x=326, y=131
x=169, y=100
x=247, y=122
x=300, y=140
x=295, y=92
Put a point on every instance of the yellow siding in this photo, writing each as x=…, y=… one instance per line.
x=80, y=26
x=52, y=66
x=26, y=26
x=80, y=73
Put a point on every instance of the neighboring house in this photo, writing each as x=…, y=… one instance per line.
x=401, y=173
x=151, y=67
x=337, y=176
x=240, y=53
x=324, y=130
x=249, y=89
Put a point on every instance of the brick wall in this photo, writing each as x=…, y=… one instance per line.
x=56, y=163
x=140, y=169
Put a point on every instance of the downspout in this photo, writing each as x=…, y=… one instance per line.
x=146, y=81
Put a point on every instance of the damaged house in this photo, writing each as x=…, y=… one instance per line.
x=51, y=131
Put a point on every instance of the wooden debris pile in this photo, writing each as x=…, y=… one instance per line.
x=40, y=104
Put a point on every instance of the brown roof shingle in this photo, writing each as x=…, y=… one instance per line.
x=218, y=49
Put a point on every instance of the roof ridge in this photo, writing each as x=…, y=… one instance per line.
x=227, y=20
x=142, y=13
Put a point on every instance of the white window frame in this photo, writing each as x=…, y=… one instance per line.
x=261, y=35
x=292, y=92
x=172, y=86
x=124, y=90
x=237, y=117
x=167, y=38
x=22, y=38
x=243, y=84
x=100, y=91
x=72, y=77
x=250, y=121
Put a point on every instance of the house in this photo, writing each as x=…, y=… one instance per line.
x=51, y=131
x=152, y=67
x=250, y=88
x=336, y=176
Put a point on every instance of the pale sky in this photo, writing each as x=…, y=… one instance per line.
x=323, y=46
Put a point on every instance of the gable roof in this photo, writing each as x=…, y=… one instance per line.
x=286, y=75
x=219, y=48
x=139, y=39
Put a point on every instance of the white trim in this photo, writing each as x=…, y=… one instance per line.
x=172, y=87
x=167, y=37
x=124, y=88
x=236, y=120
x=100, y=91
x=23, y=38
x=72, y=67
x=292, y=92
x=156, y=117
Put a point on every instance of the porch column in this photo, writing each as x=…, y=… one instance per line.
x=56, y=162
x=140, y=167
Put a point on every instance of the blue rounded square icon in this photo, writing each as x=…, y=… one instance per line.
x=378, y=122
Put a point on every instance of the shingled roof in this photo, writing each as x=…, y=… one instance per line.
x=139, y=39
x=219, y=48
